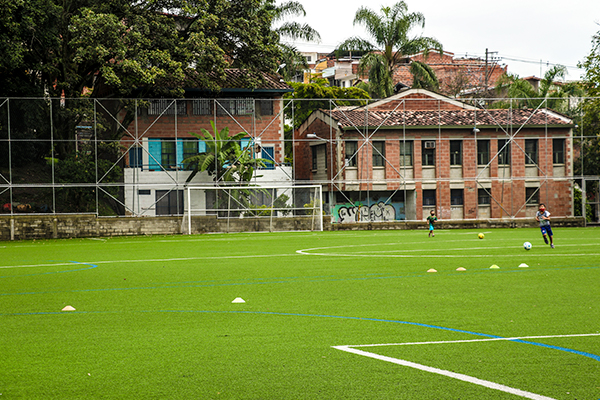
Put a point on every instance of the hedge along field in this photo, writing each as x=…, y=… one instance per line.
x=154, y=316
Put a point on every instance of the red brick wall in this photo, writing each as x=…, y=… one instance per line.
x=303, y=154
x=268, y=128
x=508, y=195
x=416, y=101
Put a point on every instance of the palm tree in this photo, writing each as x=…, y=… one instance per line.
x=224, y=158
x=424, y=76
x=391, y=42
x=549, y=94
x=293, y=62
x=294, y=30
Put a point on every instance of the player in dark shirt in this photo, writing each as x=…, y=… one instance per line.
x=431, y=220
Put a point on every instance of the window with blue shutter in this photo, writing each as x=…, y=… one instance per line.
x=154, y=154
x=201, y=146
x=245, y=143
x=179, y=153
x=268, y=153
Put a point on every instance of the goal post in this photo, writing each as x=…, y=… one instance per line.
x=254, y=208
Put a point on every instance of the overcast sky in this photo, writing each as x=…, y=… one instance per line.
x=527, y=35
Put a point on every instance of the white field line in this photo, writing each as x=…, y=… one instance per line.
x=147, y=260
x=379, y=253
x=553, y=254
x=476, y=340
x=450, y=374
x=462, y=377
x=306, y=252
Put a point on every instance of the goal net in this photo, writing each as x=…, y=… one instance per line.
x=252, y=208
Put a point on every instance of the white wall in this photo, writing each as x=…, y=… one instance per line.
x=137, y=179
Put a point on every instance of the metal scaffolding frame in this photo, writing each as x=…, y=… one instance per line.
x=13, y=128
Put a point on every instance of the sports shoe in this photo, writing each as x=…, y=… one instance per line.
x=552, y=246
x=546, y=239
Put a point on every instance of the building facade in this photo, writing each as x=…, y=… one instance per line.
x=160, y=137
x=401, y=157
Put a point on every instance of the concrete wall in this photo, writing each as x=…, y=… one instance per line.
x=23, y=227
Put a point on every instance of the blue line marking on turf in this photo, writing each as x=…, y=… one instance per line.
x=581, y=353
x=91, y=266
x=567, y=350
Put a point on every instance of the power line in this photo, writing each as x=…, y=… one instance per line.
x=547, y=63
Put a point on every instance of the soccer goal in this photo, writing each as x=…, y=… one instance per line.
x=252, y=208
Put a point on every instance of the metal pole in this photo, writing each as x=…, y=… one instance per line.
x=189, y=204
x=10, y=192
x=96, y=156
x=52, y=155
x=320, y=190
x=272, y=202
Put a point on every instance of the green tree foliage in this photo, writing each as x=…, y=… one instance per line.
x=228, y=163
x=423, y=76
x=85, y=167
x=293, y=29
x=552, y=92
x=128, y=48
x=391, y=41
x=224, y=158
x=589, y=161
x=315, y=95
x=292, y=62
x=309, y=97
x=589, y=211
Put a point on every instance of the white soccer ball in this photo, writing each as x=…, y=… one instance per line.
x=527, y=246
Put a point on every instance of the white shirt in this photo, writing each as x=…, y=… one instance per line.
x=539, y=215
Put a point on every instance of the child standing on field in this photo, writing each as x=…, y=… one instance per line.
x=543, y=217
x=431, y=220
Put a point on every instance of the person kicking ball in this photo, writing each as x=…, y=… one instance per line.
x=543, y=217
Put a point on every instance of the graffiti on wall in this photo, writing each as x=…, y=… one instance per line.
x=377, y=212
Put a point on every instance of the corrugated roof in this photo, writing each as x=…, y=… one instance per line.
x=455, y=118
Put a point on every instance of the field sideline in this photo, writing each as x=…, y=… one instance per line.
x=325, y=315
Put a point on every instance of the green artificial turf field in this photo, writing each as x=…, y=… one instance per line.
x=326, y=315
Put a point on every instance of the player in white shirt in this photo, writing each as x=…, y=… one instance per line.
x=543, y=217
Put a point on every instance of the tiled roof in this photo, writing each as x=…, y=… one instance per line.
x=236, y=79
x=450, y=118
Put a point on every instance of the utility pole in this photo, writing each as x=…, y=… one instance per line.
x=486, y=69
x=489, y=58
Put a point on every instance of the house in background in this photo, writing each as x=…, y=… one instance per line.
x=159, y=139
x=456, y=76
x=417, y=151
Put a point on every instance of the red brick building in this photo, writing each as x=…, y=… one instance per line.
x=416, y=151
x=159, y=139
x=455, y=75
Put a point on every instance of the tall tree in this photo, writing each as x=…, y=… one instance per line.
x=292, y=62
x=292, y=29
x=124, y=48
x=224, y=158
x=308, y=97
x=390, y=42
x=589, y=161
x=424, y=76
x=551, y=93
